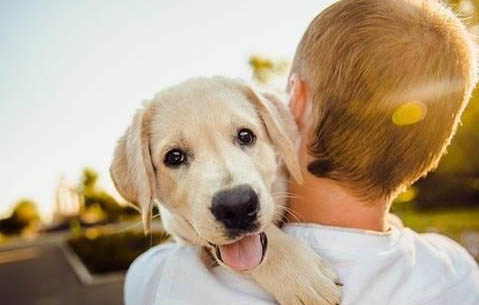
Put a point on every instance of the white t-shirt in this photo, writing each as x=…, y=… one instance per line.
x=400, y=267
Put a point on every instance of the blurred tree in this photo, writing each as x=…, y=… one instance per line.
x=265, y=69
x=24, y=215
x=89, y=179
x=98, y=204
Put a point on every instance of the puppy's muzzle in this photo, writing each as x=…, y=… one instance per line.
x=236, y=208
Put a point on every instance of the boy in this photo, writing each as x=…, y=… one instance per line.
x=377, y=88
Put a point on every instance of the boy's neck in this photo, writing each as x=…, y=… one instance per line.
x=325, y=202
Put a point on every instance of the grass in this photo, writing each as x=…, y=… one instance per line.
x=104, y=251
x=443, y=221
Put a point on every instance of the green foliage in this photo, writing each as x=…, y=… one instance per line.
x=106, y=251
x=446, y=221
x=24, y=215
x=264, y=69
x=462, y=156
x=89, y=179
x=98, y=204
x=456, y=180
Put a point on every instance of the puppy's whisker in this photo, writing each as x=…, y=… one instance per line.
x=293, y=215
x=134, y=225
x=286, y=195
x=282, y=222
x=290, y=212
x=283, y=192
x=280, y=197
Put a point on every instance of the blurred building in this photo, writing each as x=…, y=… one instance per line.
x=67, y=201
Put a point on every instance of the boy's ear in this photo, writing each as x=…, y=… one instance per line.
x=132, y=169
x=297, y=98
x=280, y=127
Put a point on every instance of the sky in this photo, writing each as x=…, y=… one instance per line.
x=72, y=74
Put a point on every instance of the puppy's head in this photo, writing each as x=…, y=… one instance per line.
x=208, y=150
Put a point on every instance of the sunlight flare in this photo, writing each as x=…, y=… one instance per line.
x=409, y=113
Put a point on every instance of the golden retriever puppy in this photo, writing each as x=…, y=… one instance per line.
x=211, y=152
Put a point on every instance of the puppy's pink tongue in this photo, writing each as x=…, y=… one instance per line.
x=243, y=254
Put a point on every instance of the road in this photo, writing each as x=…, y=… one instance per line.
x=38, y=274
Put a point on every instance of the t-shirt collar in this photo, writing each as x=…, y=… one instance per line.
x=321, y=237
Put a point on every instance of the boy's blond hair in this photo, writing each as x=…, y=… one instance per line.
x=388, y=81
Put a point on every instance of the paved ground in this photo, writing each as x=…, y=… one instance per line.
x=38, y=274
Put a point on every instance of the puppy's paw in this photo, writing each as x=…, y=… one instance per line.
x=311, y=280
x=295, y=274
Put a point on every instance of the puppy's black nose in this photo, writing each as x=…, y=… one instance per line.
x=236, y=208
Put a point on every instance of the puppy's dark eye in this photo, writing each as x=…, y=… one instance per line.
x=175, y=157
x=246, y=137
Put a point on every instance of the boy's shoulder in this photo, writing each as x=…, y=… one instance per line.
x=443, y=252
x=449, y=252
x=442, y=271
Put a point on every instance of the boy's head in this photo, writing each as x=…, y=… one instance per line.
x=387, y=81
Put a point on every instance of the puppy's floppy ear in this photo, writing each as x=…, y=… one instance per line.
x=280, y=126
x=132, y=169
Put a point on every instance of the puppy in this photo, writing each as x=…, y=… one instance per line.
x=213, y=153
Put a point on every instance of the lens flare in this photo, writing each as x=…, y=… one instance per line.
x=409, y=113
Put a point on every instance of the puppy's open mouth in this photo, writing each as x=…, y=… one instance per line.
x=243, y=254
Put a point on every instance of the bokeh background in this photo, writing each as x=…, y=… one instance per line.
x=72, y=75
